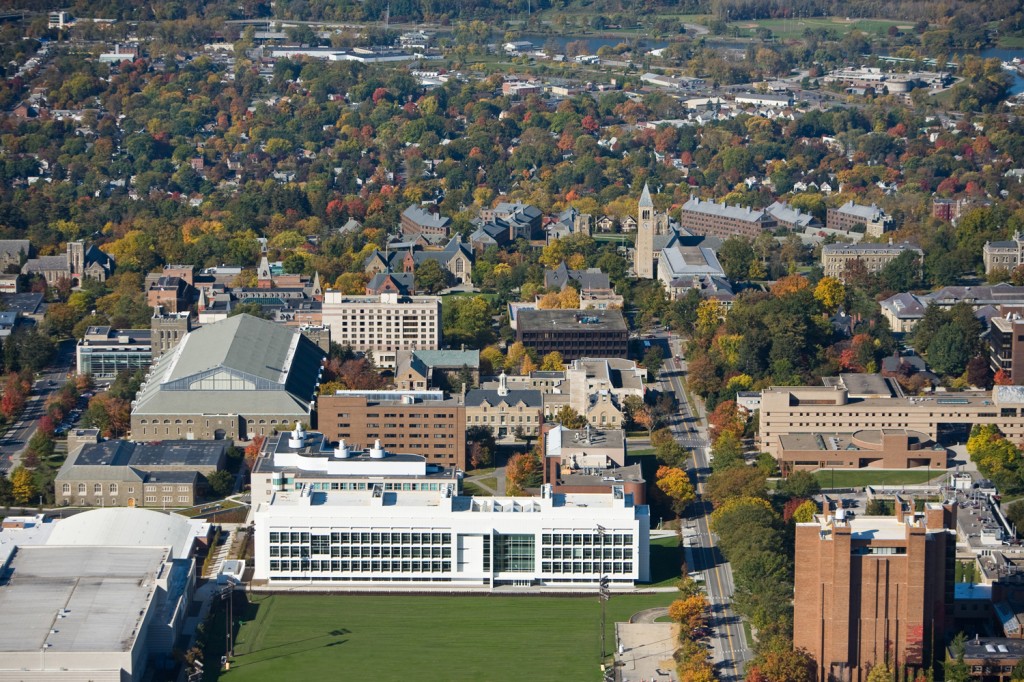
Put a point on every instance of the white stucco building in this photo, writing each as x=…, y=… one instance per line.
x=419, y=540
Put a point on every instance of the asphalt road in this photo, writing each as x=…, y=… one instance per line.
x=17, y=437
x=730, y=649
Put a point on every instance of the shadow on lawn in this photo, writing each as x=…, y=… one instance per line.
x=666, y=562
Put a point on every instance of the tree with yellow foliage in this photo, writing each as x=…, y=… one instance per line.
x=831, y=293
x=23, y=485
x=569, y=299
x=552, y=362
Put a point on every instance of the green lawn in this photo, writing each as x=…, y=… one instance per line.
x=297, y=637
x=859, y=479
x=1011, y=42
x=794, y=28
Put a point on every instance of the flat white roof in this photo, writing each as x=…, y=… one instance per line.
x=877, y=528
x=77, y=599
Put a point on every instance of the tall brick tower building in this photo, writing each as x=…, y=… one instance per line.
x=873, y=588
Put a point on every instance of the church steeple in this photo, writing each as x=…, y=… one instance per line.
x=645, y=198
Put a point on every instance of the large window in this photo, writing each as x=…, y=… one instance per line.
x=515, y=553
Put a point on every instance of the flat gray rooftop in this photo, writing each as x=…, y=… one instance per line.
x=567, y=320
x=104, y=594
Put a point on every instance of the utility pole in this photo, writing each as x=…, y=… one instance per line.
x=603, y=594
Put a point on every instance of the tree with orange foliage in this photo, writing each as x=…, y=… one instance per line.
x=521, y=472
x=726, y=417
x=790, y=284
x=252, y=451
x=691, y=613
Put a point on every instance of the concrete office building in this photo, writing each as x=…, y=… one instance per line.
x=874, y=219
x=874, y=587
x=723, y=221
x=574, y=334
x=875, y=448
x=842, y=408
x=233, y=379
x=836, y=258
x=384, y=324
x=299, y=458
x=415, y=422
x=423, y=540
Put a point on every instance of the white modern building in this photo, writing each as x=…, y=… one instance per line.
x=439, y=540
x=300, y=459
x=383, y=324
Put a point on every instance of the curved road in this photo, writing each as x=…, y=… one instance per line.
x=649, y=615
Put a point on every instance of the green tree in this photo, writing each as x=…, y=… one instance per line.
x=736, y=255
x=736, y=481
x=727, y=451
x=431, y=277
x=947, y=353
x=799, y=484
x=653, y=359
x=956, y=670
x=221, y=483
x=570, y=418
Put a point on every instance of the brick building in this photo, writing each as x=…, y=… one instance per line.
x=724, y=221
x=414, y=422
x=874, y=587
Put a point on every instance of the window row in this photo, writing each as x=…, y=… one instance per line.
x=364, y=552
x=605, y=567
x=303, y=537
x=314, y=565
x=587, y=539
x=587, y=553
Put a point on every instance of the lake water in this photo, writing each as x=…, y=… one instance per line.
x=1006, y=55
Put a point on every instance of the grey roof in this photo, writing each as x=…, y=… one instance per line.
x=243, y=364
x=867, y=213
x=15, y=247
x=26, y=304
x=870, y=248
x=451, y=249
x=44, y=263
x=783, y=212
x=562, y=320
x=904, y=306
x=979, y=295
x=735, y=212
x=104, y=596
x=425, y=218
x=530, y=398
x=591, y=278
x=406, y=281
x=351, y=225
x=684, y=261
x=645, y=198
x=512, y=209
x=449, y=359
